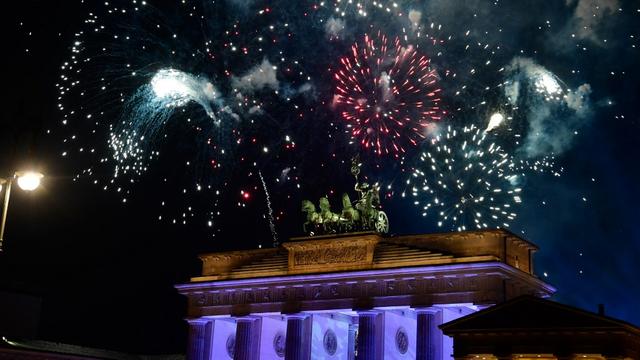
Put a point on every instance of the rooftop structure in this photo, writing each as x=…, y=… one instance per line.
x=533, y=328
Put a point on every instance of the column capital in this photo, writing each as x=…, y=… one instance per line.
x=198, y=321
x=246, y=318
x=370, y=312
x=427, y=310
x=300, y=315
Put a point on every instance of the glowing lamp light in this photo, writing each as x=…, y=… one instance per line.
x=29, y=181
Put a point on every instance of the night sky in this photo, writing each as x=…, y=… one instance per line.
x=168, y=129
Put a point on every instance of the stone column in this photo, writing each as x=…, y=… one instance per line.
x=298, y=340
x=200, y=333
x=370, y=335
x=208, y=339
x=248, y=330
x=351, y=347
x=428, y=335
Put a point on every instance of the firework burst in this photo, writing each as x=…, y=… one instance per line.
x=387, y=93
x=466, y=180
x=148, y=111
x=208, y=100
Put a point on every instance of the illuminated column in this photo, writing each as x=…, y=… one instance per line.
x=298, y=340
x=200, y=332
x=429, y=336
x=351, y=349
x=247, y=338
x=370, y=335
x=208, y=339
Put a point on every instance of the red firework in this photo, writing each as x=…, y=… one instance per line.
x=387, y=93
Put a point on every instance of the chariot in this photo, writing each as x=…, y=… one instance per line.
x=364, y=214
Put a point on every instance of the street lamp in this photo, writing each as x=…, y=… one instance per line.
x=27, y=181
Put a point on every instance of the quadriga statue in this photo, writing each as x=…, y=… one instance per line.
x=362, y=215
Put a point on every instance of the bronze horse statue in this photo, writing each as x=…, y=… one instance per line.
x=329, y=219
x=313, y=218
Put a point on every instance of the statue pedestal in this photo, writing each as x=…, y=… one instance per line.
x=348, y=252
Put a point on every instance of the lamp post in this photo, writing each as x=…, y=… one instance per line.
x=27, y=181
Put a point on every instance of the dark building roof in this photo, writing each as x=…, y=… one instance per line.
x=534, y=313
x=39, y=349
x=532, y=325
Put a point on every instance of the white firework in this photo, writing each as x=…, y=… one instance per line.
x=466, y=181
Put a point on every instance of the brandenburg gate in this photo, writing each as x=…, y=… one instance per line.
x=352, y=296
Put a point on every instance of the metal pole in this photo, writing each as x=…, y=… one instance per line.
x=7, y=193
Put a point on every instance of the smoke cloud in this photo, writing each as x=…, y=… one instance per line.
x=259, y=77
x=334, y=27
x=553, y=113
x=589, y=17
